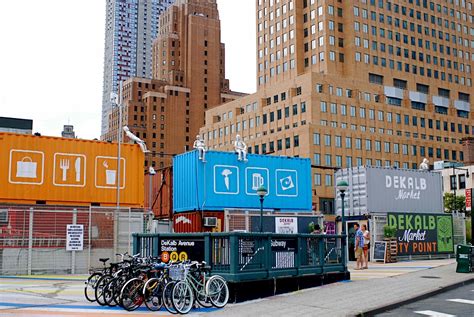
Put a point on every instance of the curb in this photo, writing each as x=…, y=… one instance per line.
x=385, y=308
x=52, y=278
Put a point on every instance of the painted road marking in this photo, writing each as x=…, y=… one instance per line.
x=86, y=307
x=463, y=301
x=433, y=313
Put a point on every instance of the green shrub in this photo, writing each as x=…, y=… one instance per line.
x=389, y=232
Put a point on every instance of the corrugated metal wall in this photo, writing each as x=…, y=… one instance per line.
x=159, y=193
x=68, y=171
x=193, y=221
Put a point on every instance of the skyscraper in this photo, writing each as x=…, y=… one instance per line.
x=168, y=110
x=350, y=83
x=130, y=28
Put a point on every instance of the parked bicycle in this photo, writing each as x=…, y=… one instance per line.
x=135, y=280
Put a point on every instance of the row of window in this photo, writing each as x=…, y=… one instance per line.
x=397, y=117
x=410, y=12
x=266, y=118
x=388, y=147
x=265, y=148
x=414, y=69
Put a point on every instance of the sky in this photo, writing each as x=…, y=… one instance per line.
x=51, y=60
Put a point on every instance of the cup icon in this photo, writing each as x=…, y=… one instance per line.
x=110, y=177
x=257, y=181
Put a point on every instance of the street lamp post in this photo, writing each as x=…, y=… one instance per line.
x=342, y=187
x=118, y=102
x=151, y=173
x=261, y=192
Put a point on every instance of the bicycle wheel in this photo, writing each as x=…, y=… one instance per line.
x=167, y=301
x=182, y=297
x=109, y=292
x=202, y=298
x=153, y=294
x=217, y=290
x=99, y=290
x=131, y=296
x=118, y=287
x=89, y=289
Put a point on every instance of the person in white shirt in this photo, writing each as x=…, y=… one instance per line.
x=366, y=246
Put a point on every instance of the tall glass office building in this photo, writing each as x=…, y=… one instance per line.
x=131, y=27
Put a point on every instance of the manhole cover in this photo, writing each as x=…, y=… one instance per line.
x=430, y=277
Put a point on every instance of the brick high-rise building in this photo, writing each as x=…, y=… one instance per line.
x=348, y=83
x=131, y=26
x=188, y=78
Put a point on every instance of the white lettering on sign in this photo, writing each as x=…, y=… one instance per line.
x=408, y=187
x=75, y=238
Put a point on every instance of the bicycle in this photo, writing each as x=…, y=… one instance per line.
x=193, y=284
x=92, y=280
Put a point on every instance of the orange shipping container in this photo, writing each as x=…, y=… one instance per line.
x=69, y=171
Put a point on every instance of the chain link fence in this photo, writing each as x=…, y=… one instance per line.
x=34, y=240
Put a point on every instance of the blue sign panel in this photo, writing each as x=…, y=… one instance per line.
x=224, y=182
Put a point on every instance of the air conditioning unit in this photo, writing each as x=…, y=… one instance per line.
x=210, y=221
x=3, y=215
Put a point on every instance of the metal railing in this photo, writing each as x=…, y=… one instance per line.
x=239, y=256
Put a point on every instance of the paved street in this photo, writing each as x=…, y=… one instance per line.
x=63, y=295
x=458, y=302
x=355, y=297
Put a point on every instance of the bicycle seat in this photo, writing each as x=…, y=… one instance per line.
x=103, y=260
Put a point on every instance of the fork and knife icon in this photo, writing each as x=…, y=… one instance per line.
x=64, y=165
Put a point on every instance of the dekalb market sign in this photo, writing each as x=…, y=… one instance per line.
x=422, y=233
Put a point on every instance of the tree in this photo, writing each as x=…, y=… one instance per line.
x=454, y=203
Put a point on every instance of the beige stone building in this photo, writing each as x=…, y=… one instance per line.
x=188, y=78
x=363, y=82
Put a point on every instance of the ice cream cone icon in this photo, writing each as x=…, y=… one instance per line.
x=226, y=174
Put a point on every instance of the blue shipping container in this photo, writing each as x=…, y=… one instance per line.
x=224, y=182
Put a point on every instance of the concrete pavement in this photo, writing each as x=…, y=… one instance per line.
x=380, y=285
x=367, y=293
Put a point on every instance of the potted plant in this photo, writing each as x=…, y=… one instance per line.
x=311, y=227
x=389, y=234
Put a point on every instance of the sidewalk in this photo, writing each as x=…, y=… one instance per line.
x=366, y=292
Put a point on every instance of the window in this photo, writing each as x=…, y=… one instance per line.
x=316, y=139
x=327, y=140
x=338, y=141
x=348, y=142
x=394, y=101
x=452, y=181
x=338, y=161
x=296, y=141
x=328, y=180
x=327, y=160
x=368, y=145
x=324, y=107
x=462, y=181
x=317, y=179
x=317, y=159
x=399, y=83
x=378, y=146
x=375, y=79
